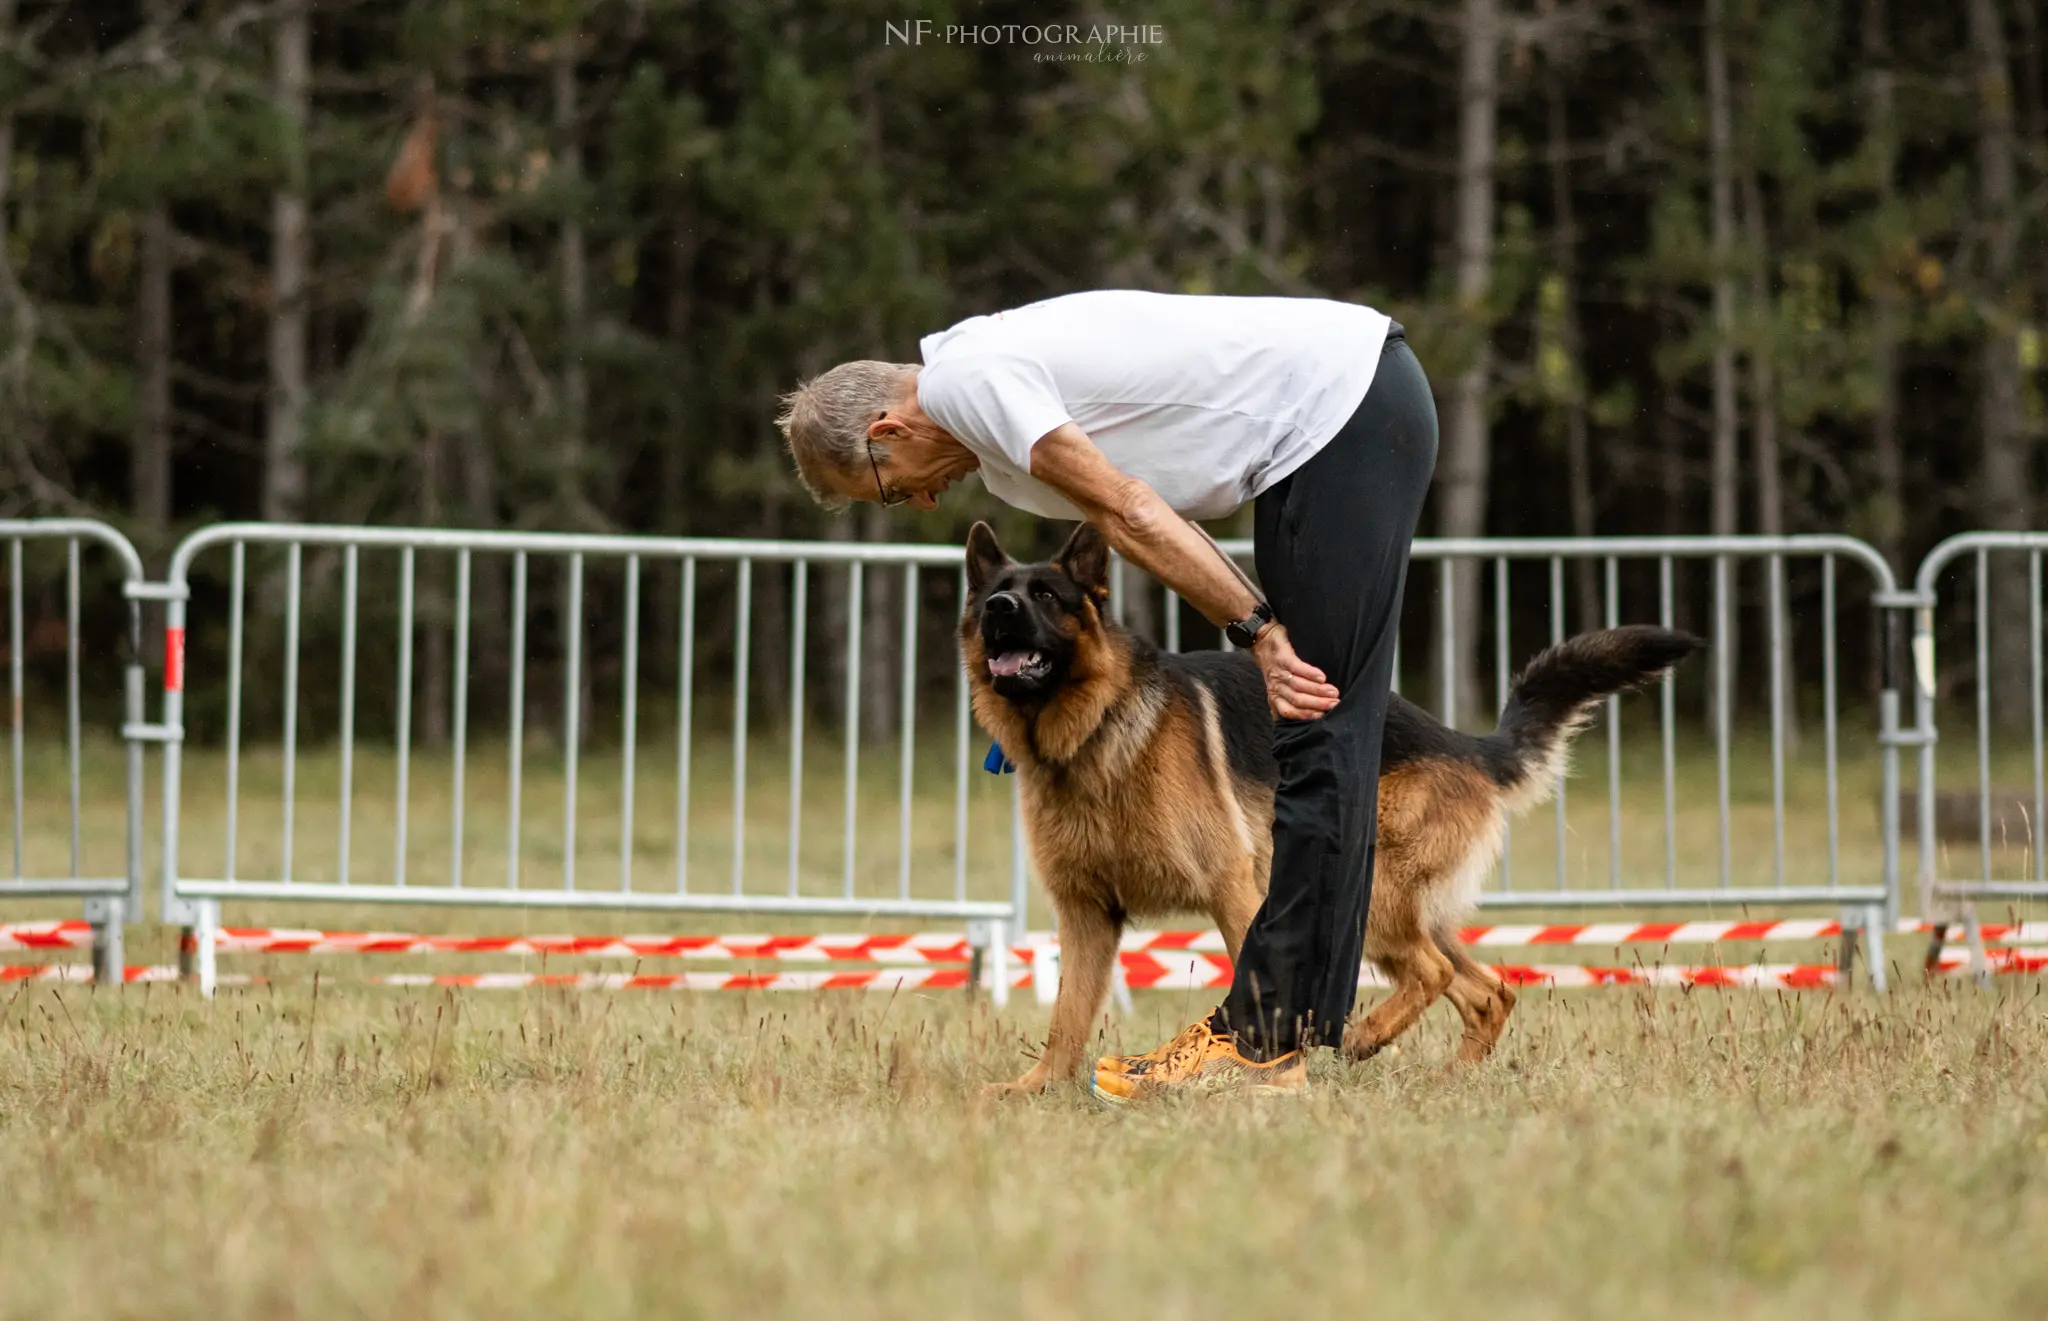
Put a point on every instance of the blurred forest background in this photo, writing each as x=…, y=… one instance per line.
x=1673, y=265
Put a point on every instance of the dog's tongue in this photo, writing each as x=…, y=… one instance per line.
x=1010, y=662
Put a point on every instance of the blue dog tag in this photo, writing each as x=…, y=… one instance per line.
x=996, y=763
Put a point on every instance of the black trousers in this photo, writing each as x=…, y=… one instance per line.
x=1332, y=543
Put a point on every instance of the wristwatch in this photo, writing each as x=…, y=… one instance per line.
x=1246, y=631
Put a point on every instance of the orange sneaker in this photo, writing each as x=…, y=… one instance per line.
x=1197, y=1060
x=1191, y=1037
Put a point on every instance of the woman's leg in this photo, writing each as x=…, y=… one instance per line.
x=1332, y=548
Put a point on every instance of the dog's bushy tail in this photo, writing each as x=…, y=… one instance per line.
x=1556, y=696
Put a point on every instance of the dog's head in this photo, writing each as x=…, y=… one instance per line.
x=1026, y=624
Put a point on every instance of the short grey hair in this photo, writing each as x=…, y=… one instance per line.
x=825, y=421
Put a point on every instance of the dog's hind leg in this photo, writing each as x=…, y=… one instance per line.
x=1481, y=998
x=1420, y=974
x=1088, y=937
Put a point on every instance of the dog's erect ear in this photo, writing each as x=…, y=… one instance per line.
x=1085, y=559
x=985, y=557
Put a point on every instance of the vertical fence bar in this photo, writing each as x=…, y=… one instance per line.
x=1447, y=642
x=852, y=704
x=1613, y=739
x=1776, y=633
x=909, y=703
x=629, y=723
x=1172, y=607
x=686, y=656
x=14, y=690
x=405, y=611
x=517, y=753
x=1668, y=700
x=1921, y=668
x=2039, y=842
x=238, y=575
x=1984, y=712
x=1557, y=636
x=743, y=664
x=294, y=571
x=1501, y=683
x=71, y=716
x=349, y=574
x=799, y=596
x=461, y=713
x=1721, y=721
x=962, y=768
x=572, y=717
x=1829, y=718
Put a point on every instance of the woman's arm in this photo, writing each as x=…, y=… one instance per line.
x=1145, y=530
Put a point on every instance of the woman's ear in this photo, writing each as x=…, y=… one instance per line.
x=985, y=556
x=1085, y=559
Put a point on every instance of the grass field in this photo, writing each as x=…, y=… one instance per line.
x=336, y=1148
x=365, y=1153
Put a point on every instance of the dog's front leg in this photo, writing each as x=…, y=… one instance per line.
x=1088, y=937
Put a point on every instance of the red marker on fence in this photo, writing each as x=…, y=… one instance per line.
x=174, y=660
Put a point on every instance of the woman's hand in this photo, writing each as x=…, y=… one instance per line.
x=1295, y=689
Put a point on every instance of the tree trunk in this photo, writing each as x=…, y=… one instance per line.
x=832, y=589
x=881, y=639
x=150, y=460
x=1467, y=452
x=2004, y=480
x=575, y=382
x=435, y=572
x=1722, y=454
x=284, y=470
x=1888, y=527
x=1763, y=387
x=1564, y=254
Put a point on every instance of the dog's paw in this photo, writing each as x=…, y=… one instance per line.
x=1359, y=1049
x=1003, y=1091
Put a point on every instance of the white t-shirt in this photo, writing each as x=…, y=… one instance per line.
x=1207, y=400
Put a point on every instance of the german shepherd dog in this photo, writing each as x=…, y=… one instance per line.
x=1148, y=777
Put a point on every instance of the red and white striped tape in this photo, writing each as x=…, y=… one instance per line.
x=1197, y=974
x=82, y=972
x=1145, y=972
x=73, y=934
x=922, y=948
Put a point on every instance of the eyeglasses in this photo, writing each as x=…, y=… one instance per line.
x=887, y=497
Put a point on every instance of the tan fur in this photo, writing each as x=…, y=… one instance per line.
x=1123, y=823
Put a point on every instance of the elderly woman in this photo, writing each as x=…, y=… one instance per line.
x=1138, y=412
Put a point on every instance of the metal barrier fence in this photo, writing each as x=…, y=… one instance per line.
x=110, y=900
x=919, y=892
x=2009, y=860
x=247, y=607
x=1639, y=582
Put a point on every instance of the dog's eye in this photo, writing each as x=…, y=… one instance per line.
x=1042, y=592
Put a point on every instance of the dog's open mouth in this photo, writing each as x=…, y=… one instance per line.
x=1018, y=665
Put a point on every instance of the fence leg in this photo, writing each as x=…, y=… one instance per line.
x=1845, y=953
x=988, y=960
x=199, y=946
x=1873, y=947
x=108, y=918
x=1045, y=969
x=1980, y=961
x=1119, y=989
